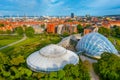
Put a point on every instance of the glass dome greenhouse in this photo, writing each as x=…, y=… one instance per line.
x=51, y=58
x=94, y=44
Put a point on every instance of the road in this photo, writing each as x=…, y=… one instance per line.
x=24, y=38
x=93, y=75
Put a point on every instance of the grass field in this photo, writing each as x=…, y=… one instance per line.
x=5, y=40
x=30, y=45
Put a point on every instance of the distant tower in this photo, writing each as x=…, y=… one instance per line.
x=72, y=15
x=87, y=15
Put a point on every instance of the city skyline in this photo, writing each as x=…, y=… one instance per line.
x=59, y=7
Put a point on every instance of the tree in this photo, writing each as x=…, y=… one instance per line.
x=87, y=26
x=61, y=74
x=65, y=34
x=115, y=31
x=2, y=25
x=80, y=28
x=53, y=75
x=2, y=32
x=29, y=31
x=17, y=60
x=8, y=31
x=43, y=26
x=6, y=74
x=4, y=59
x=104, y=31
x=20, y=31
x=78, y=71
x=108, y=66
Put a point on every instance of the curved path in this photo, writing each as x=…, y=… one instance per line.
x=24, y=38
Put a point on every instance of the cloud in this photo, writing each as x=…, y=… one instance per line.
x=103, y=4
x=52, y=6
x=58, y=7
x=54, y=1
x=24, y=3
x=4, y=12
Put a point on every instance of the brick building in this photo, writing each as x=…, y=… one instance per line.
x=51, y=28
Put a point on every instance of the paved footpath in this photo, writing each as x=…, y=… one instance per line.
x=24, y=38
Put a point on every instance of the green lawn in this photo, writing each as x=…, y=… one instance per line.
x=5, y=40
x=30, y=45
x=117, y=42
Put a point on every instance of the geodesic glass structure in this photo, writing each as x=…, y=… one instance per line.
x=94, y=44
x=51, y=58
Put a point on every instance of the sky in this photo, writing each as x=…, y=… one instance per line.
x=59, y=7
